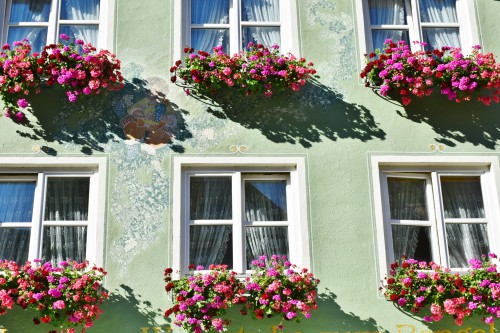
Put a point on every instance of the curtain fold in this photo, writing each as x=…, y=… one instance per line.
x=30, y=10
x=215, y=11
x=210, y=198
x=261, y=11
x=14, y=244
x=443, y=11
x=466, y=241
x=407, y=200
x=387, y=12
x=265, y=200
x=265, y=241
x=62, y=243
x=210, y=245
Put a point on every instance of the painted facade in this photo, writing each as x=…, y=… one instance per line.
x=336, y=125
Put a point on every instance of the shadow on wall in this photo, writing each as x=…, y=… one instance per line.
x=125, y=312
x=315, y=113
x=94, y=121
x=456, y=123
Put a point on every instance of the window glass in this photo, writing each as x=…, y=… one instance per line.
x=207, y=39
x=210, y=198
x=260, y=10
x=16, y=201
x=80, y=9
x=267, y=36
x=214, y=11
x=265, y=241
x=380, y=36
x=407, y=199
x=67, y=199
x=14, y=244
x=61, y=243
x=462, y=197
x=466, y=241
x=412, y=241
x=210, y=244
x=436, y=38
x=87, y=33
x=30, y=11
x=442, y=11
x=265, y=200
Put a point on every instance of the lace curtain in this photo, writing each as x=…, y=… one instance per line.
x=16, y=205
x=67, y=199
x=81, y=10
x=261, y=11
x=443, y=11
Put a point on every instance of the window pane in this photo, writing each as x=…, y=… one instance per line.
x=213, y=11
x=62, y=243
x=210, y=198
x=30, y=11
x=87, y=33
x=436, y=38
x=265, y=200
x=209, y=245
x=260, y=10
x=16, y=201
x=37, y=36
x=412, y=242
x=207, y=39
x=462, y=197
x=442, y=11
x=407, y=199
x=466, y=241
x=267, y=36
x=67, y=199
x=266, y=241
x=387, y=12
x=14, y=244
x=80, y=9
x=379, y=37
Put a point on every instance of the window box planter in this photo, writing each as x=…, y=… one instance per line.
x=460, y=77
x=77, y=68
x=258, y=70
x=414, y=286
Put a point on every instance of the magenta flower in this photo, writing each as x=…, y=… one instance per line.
x=22, y=103
x=59, y=305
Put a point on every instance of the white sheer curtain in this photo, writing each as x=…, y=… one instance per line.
x=16, y=205
x=462, y=199
x=81, y=10
x=443, y=11
x=67, y=199
x=261, y=11
x=29, y=11
x=210, y=199
x=216, y=12
x=388, y=12
x=266, y=241
x=407, y=201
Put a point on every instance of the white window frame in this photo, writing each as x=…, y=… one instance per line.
x=288, y=24
x=467, y=23
x=105, y=22
x=40, y=169
x=431, y=168
x=291, y=168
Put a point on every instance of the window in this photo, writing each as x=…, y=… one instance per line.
x=233, y=215
x=435, y=22
x=42, y=21
x=234, y=23
x=445, y=212
x=49, y=214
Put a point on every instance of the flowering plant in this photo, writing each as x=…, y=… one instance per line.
x=414, y=285
x=202, y=299
x=277, y=288
x=257, y=70
x=460, y=77
x=64, y=295
x=77, y=68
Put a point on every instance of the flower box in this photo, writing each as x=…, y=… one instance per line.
x=460, y=77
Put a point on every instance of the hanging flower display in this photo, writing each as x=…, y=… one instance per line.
x=275, y=288
x=416, y=286
x=67, y=295
x=460, y=77
x=77, y=67
x=256, y=70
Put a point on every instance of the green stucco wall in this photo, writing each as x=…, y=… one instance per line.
x=336, y=123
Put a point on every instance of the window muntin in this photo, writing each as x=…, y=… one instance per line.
x=42, y=21
x=234, y=23
x=433, y=22
x=58, y=204
x=236, y=217
x=436, y=216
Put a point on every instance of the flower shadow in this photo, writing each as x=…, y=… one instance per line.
x=93, y=121
x=456, y=123
x=307, y=117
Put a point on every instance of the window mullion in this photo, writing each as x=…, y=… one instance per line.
x=440, y=223
x=36, y=224
x=413, y=18
x=234, y=26
x=238, y=229
x=53, y=17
